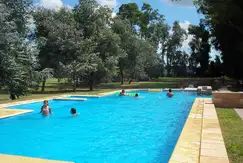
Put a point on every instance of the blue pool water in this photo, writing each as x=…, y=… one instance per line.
x=109, y=129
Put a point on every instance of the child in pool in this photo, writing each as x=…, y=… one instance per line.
x=136, y=95
x=170, y=94
x=73, y=111
x=45, y=109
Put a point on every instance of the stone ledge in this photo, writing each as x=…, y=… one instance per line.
x=19, y=159
x=5, y=113
x=201, y=139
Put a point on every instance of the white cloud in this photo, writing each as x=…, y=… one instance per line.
x=109, y=3
x=182, y=3
x=51, y=4
x=113, y=14
x=185, y=44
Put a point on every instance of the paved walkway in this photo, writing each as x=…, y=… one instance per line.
x=239, y=112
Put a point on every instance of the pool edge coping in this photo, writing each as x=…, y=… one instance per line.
x=15, y=112
x=22, y=159
x=201, y=138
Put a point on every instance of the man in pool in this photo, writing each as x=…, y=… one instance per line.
x=122, y=93
x=170, y=94
x=136, y=95
x=73, y=111
x=45, y=109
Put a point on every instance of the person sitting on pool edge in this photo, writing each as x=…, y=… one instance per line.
x=73, y=111
x=170, y=94
x=122, y=93
x=45, y=109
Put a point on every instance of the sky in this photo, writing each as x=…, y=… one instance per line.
x=183, y=10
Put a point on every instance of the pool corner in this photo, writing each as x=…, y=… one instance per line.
x=6, y=113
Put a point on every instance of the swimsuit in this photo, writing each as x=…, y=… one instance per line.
x=45, y=110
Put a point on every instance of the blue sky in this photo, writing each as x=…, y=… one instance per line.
x=183, y=11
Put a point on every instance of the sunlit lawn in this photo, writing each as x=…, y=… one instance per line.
x=232, y=128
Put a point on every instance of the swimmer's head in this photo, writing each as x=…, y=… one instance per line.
x=73, y=111
x=170, y=90
x=45, y=103
x=136, y=95
x=123, y=91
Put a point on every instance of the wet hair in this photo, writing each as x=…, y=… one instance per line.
x=45, y=101
x=170, y=90
x=73, y=111
x=136, y=95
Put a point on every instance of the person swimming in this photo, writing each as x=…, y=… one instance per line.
x=122, y=93
x=170, y=94
x=45, y=109
x=73, y=111
x=136, y=95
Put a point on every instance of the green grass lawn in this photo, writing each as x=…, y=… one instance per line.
x=232, y=129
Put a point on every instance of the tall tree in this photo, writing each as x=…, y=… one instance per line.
x=95, y=22
x=224, y=19
x=17, y=56
x=174, y=43
x=200, y=46
x=130, y=12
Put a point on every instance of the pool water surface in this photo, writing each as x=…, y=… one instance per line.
x=109, y=129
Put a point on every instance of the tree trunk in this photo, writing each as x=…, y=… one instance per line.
x=130, y=81
x=91, y=82
x=74, y=82
x=131, y=77
x=74, y=86
x=91, y=85
x=12, y=96
x=43, y=85
x=122, y=77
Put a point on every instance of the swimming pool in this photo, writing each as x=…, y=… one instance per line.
x=108, y=129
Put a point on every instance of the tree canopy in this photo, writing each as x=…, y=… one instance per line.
x=86, y=45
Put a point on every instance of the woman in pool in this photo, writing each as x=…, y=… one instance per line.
x=45, y=109
x=170, y=94
x=73, y=111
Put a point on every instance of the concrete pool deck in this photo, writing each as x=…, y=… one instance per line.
x=5, y=113
x=20, y=159
x=201, y=139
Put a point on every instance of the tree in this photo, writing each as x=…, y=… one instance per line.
x=45, y=74
x=179, y=64
x=174, y=43
x=95, y=22
x=200, y=46
x=131, y=13
x=224, y=19
x=215, y=67
x=17, y=56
